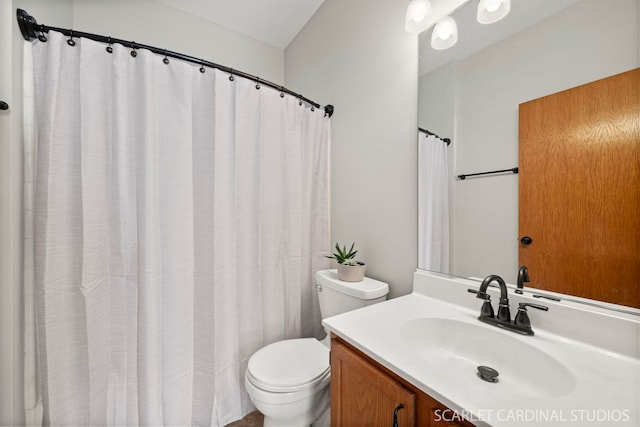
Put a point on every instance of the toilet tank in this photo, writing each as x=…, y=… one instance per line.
x=336, y=296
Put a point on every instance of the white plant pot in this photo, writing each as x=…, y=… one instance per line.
x=351, y=273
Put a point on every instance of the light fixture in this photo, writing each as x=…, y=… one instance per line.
x=424, y=14
x=417, y=12
x=490, y=11
x=445, y=34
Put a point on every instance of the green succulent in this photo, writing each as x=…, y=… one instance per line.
x=344, y=256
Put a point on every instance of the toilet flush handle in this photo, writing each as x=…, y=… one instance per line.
x=318, y=287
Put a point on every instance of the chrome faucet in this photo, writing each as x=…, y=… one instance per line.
x=521, y=323
x=523, y=277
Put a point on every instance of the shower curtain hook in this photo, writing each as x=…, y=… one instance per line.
x=281, y=91
x=231, y=78
x=299, y=99
x=257, y=82
x=165, y=60
x=109, y=48
x=70, y=40
x=42, y=37
x=133, y=52
x=202, y=69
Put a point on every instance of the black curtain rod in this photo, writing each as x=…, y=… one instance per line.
x=447, y=140
x=30, y=28
x=512, y=170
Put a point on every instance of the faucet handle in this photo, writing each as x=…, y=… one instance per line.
x=522, y=318
x=487, y=309
x=524, y=305
x=482, y=295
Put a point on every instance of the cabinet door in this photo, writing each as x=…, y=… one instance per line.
x=432, y=413
x=362, y=395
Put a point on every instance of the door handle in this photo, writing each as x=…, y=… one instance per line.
x=395, y=414
x=526, y=240
x=4, y=105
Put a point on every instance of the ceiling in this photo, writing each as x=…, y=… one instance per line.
x=275, y=22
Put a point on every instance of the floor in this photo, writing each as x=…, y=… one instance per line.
x=253, y=419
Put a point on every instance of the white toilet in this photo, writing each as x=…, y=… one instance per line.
x=288, y=381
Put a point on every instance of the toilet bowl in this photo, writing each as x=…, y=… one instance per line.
x=288, y=381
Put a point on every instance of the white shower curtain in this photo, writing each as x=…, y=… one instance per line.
x=32, y=400
x=433, y=204
x=179, y=220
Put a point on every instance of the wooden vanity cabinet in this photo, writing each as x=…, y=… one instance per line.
x=364, y=393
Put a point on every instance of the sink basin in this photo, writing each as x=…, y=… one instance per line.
x=458, y=348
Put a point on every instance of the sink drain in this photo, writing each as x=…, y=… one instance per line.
x=488, y=374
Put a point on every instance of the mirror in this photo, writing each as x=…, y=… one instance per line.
x=471, y=92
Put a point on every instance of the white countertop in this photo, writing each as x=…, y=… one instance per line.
x=604, y=379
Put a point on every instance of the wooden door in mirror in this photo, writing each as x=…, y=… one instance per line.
x=579, y=190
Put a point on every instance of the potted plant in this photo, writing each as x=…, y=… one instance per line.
x=349, y=270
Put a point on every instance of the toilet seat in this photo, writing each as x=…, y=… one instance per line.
x=289, y=366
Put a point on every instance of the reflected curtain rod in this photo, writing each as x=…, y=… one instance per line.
x=512, y=170
x=29, y=28
x=428, y=132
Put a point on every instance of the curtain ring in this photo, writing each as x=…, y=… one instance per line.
x=231, y=78
x=70, y=41
x=257, y=82
x=165, y=60
x=109, y=48
x=281, y=91
x=202, y=70
x=300, y=100
x=42, y=37
x=133, y=51
x=313, y=108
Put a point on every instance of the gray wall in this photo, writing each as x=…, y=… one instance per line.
x=156, y=24
x=356, y=55
x=586, y=41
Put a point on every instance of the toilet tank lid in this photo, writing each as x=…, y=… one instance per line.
x=367, y=289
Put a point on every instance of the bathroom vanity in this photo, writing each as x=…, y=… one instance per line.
x=417, y=357
x=363, y=392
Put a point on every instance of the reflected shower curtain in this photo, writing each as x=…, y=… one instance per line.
x=433, y=204
x=179, y=221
